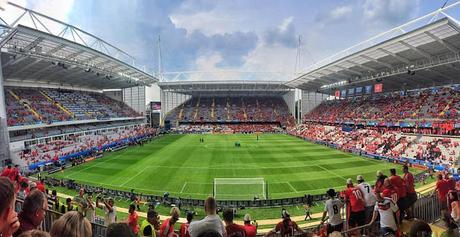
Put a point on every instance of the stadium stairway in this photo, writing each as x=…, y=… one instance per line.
x=26, y=105
x=57, y=104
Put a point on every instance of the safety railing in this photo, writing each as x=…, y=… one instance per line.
x=51, y=216
x=427, y=208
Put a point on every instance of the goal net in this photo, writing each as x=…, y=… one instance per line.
x=239, y=188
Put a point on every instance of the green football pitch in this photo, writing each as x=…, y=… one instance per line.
x=184, y=167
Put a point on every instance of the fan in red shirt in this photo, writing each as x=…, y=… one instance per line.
x=183, y=232
x=355, y=198
x=6, y=171
x=133, y=219
x=251, y=230
x=410, y=187
x=286, y=227
x=14, y=173
x=442, y=188
x=450, y=182
x=389, y=191
x=41, y=186
x=398, y=183
x=233, y=230
x=378, y=187
x=167, y=228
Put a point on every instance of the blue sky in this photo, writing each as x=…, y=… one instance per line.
x=252, y=35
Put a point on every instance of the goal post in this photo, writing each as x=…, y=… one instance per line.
x=239, y=188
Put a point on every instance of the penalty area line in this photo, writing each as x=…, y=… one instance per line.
x=129, y=180
x=292, y=187
x=183, y=187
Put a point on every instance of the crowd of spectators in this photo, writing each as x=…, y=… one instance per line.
x=239, y=109
x=28, y=106
x=382, y=141
x=68, y=145
x=433, y=104
x=229, y=128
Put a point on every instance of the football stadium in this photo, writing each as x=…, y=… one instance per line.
x=361, y=143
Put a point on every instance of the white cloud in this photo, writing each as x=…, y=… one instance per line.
x=208, y=62
x=274, y=58
x=285, y=24
x=341, y=12
x=378, y=13
x=209, y=23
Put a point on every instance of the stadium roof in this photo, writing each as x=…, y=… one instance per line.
x=58, y=53
x=224, y=88
x=424, y=56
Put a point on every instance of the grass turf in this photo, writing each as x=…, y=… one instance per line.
x=184, y=167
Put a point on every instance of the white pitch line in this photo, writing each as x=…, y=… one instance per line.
x=105, y=159
x=335, y=174
x=182, y=190
x=127, y=181
x=292, y=187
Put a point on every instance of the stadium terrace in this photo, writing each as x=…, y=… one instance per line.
x=365, y=142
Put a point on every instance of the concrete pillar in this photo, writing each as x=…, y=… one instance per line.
x=4, y=136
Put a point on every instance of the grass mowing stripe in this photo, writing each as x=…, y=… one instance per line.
x=181, y=165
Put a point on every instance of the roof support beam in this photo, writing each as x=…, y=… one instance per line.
x=441, y=74
x=17, y=59
x=34, y=43
x=56, y=49
x=428, y=79
x=348, y=69
x=361, y=66
x=404, y=60
x=36, y=60
x=444, y=43
x=73, y=55
x=337, y=74
x=41, y=70
x=102, y=63
x=91, y=59
x=377, y=61
x=419, y=51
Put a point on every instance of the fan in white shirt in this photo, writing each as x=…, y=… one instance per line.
x=211, y=222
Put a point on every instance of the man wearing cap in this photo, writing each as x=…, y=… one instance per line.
x=369, y=197
x=286, y=227
x=355, y=198
x=233, y=230
x=251, y=230
x=332, y=210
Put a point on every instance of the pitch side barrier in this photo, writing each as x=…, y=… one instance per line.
x=188, y=202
